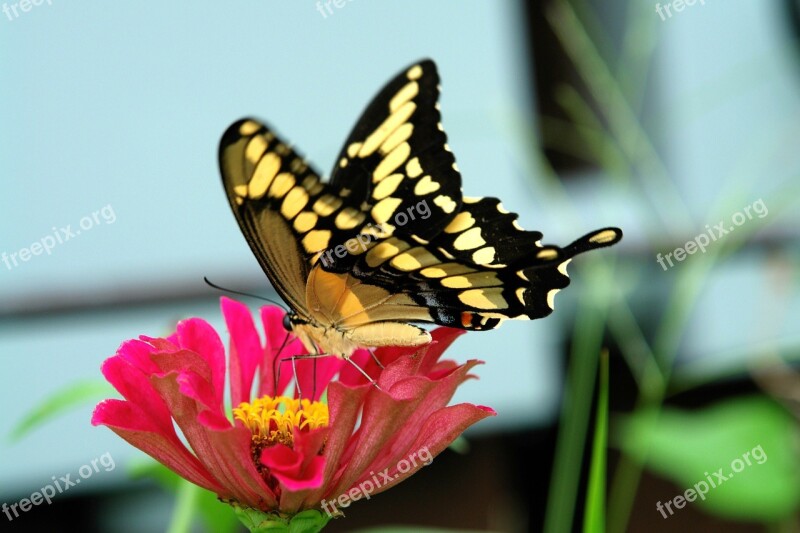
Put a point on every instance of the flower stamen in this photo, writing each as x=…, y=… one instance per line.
x=273, y=420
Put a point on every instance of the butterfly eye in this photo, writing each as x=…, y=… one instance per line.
x=287, y=322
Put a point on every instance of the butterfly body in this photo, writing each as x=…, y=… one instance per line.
x=390, y=241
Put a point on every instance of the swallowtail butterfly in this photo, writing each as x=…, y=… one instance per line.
x=389, y=241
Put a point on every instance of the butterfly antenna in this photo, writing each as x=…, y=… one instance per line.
x=214, y=285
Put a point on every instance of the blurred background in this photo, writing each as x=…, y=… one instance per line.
x=669, y=120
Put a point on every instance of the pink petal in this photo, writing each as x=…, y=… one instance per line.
x=133, y=424
x=224, y=452
x=438, y=431
x=246, y=351
x=198, y=336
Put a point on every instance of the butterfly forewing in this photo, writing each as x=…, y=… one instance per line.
x=287, y=214
x=396, y=162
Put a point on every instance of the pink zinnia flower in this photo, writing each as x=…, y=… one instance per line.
x=275, y=454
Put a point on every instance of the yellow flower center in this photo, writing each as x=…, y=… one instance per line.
x=272, y=420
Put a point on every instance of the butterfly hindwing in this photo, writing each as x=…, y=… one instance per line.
x=481, y=269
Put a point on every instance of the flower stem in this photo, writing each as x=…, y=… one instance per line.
x=184, y=508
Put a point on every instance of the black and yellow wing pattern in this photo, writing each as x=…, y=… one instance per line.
x=390, y=239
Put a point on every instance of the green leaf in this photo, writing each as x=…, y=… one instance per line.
x=752, y=440
x=309, y=521
x=594, y=519
x=61, y=402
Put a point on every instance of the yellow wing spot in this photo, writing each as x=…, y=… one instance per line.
x=353, y=149
x=414, y=73
x=445, y=253
x=522, y=275
x=305, y=221
x=483, y=256
x=547, y=254
x=383, y=251
x=455, y=167
x=316, y=240
x=501, y=209
x=551, y=296
x=457, y=282
x=484, y=298
x=379, y=231
x=249, y=127
x=469, y=240
x=298, y=166
x=255, y=149
x=472, y=199
x=387, y=186
x=521, y=295
x=409, y=91
x=294, y=202
x=240, y=190
x=239, y=201
x=343, y=162
x=448, y=269
x=420, y=240
x=391, y=162
x=414, y=259
x=327, y=205
x=476, y=279
x=603, y=237
x=392, y=122
x=460, y=222
x=399, y=135
x=517, y=226
x=263, y=174
x=312, y=185
x=349, y=218
x=383, y=210
x=426, y=186
x=413, y=168
x=282, y=149
x=439, y=126
x=281, y=185
x=445, y=202
x=563, y=267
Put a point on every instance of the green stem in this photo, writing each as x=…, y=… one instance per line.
x=184, y=510
x=577, y=403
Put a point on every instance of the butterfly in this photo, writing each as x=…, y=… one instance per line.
x=389, y=242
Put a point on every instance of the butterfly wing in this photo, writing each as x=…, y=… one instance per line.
x=397, y=156
x=286, y=213
x=480, y=270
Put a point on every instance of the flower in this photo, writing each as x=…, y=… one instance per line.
x=273, y=453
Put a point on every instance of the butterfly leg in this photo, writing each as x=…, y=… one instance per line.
x=363, y=373
x=294, y=358
x=375, y=358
